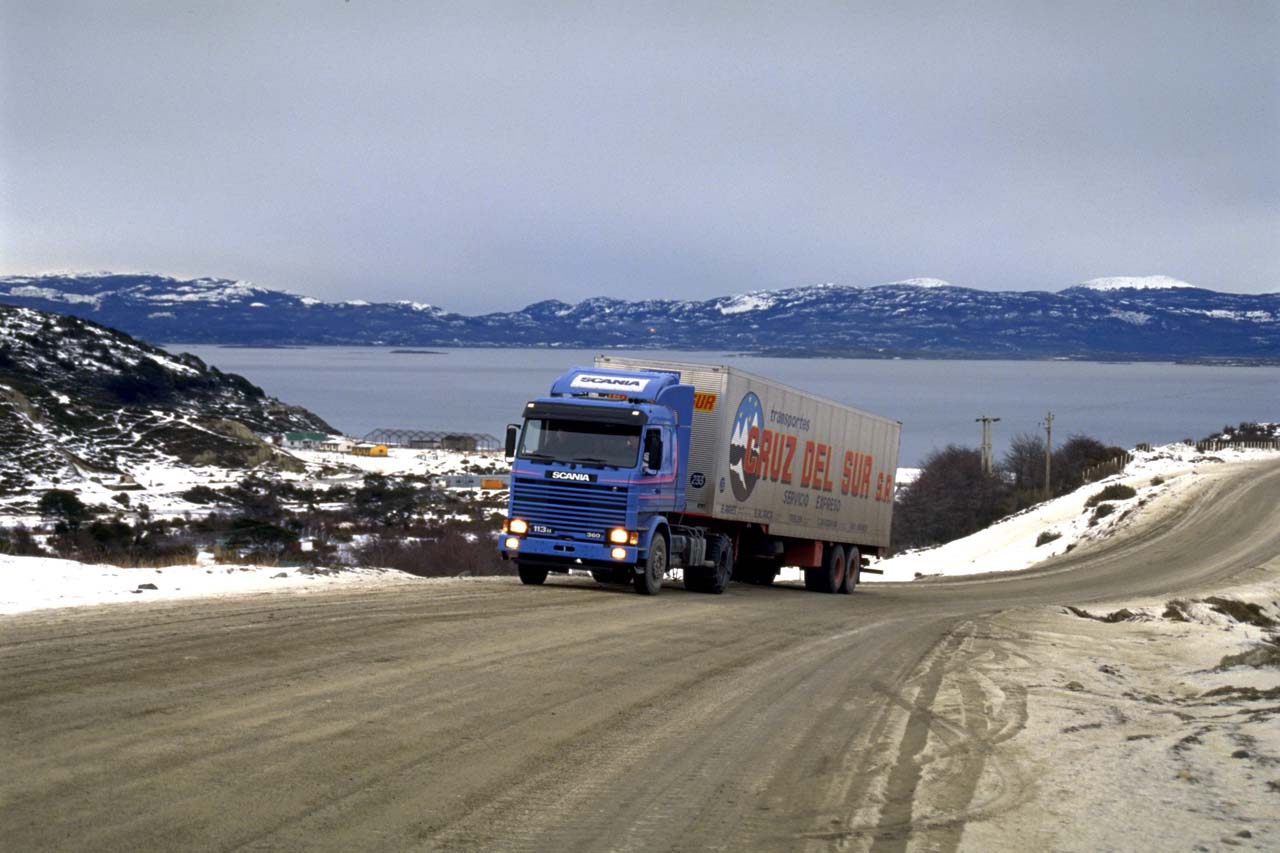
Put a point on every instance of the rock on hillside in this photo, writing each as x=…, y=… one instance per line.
x=79, y=400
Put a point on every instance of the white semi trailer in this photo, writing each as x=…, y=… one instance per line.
x=737, y=475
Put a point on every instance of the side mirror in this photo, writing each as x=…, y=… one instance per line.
x=513, y=432
x=653, y=449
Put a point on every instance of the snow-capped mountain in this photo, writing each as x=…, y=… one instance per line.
x=80, y=400
x=1155, y=318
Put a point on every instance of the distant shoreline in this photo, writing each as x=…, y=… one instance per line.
x=790, y=353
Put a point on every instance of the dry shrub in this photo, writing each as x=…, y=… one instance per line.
x=449, y=554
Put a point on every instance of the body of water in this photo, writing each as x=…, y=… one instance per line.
x=359, y=389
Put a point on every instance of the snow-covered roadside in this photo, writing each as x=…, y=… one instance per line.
x=1010, y=545
x=39, y=583
x=29, y=583
x=159, y=485
x=35, y=583
x=1176, y=699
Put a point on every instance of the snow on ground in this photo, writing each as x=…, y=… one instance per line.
x=403, y=461
x=1135, y=282
x=1010, y=545
x=158, y=485
x=35, y=583
x=1176, y=699
x=38, y=583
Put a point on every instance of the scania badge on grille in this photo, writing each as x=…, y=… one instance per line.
x=571, y=476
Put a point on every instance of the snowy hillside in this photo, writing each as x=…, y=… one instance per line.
x=1057, y=526
x=80, y=401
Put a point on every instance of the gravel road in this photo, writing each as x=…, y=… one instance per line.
x=484, y=714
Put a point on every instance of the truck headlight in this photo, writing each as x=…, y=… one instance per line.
x=618, y=553
x=518, y=526
x=512, y=543
x=619, y=536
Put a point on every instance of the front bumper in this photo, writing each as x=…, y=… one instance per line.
x=568, y=552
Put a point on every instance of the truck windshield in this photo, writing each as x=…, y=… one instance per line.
x=556, y=440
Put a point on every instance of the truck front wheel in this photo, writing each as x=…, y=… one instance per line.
x=531, y=574
x=649, y=582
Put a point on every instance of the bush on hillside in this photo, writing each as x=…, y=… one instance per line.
x=1046, y=537
x=1076, y=454
x=447, y=554
x=951, y=498
x=119, y=543
x=65, y=508
x=18, y=542
x=1114, y=492
x=385, y=501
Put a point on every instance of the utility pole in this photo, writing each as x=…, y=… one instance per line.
x=986, y=441
x=1048, y=453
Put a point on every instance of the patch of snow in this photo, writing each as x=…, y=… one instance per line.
x=1131, y=282
x=38, y=583
x=31, y=292
x=921, y=282
x=756, y=300
x=1223, y=314
x=417, y=306
x=205, y=290
x=1137, y=318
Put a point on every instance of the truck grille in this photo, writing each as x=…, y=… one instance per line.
x=569, y=509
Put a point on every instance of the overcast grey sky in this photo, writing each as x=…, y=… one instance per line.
x=485, y=155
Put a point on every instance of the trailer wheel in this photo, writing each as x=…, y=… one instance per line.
x=531, y=575
x=714, y=581
x=852, y=570
x=649, y=582
x=830, y=577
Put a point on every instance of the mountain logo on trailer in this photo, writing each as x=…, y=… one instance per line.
x=750, y=415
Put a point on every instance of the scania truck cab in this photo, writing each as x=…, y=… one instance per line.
x=597, y=483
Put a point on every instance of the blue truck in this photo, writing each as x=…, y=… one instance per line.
x=632, y=468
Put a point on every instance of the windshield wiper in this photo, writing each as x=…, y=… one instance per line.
x=539, y=457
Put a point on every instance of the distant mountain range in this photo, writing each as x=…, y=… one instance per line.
x=1150, y=318
x=78, y=400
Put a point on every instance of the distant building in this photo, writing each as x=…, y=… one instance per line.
x=421, y=439
x=456, y=441
x=369, y=450
x=473, y=481
x=338, y=445
x=304, y=440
